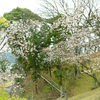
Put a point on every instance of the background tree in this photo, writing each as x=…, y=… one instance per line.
x=53, y=8
x=21, y=13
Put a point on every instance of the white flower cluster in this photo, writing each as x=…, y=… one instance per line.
x=20, y=36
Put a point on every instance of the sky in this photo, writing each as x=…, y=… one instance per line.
x=8, y=5
x=33, y=5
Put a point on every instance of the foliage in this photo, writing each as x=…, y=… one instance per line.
x=21, y=13
x=51, y=20
x=4, y=96
x=55, y=36
x=3, y=65
x=3, y=21
x=61, y=71
x=28, y=39
x=69, y=49
x=46, y=90
x=27, y=43
x=18, y=67
x=21, y=94
x=20, y=80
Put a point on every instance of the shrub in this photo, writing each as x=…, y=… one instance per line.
x=4, y=96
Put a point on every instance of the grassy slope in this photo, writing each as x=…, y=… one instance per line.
x=85, y=84
x=91, y=95
x=82, y=89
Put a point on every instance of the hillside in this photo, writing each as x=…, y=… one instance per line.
x=91, y=95
x=79, y=89
x=83, y=85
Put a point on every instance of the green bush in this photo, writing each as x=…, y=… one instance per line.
x=18, y=80
x=4, y=96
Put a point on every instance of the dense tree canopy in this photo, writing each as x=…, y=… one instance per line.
x=21, y=13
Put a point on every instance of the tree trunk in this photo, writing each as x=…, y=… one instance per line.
x=82, y=69
x=94, y=77
x=61, y=82
x=92, y=73
x=51, y=81
x=36, y=88
x=78, y=72
x=96, y=80
x=65, y=92
x=75, y=71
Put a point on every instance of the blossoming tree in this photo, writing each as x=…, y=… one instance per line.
x=26, y=40
x=76, y=29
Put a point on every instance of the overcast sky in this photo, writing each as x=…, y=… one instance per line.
x=8, y=5
x=33, y=5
